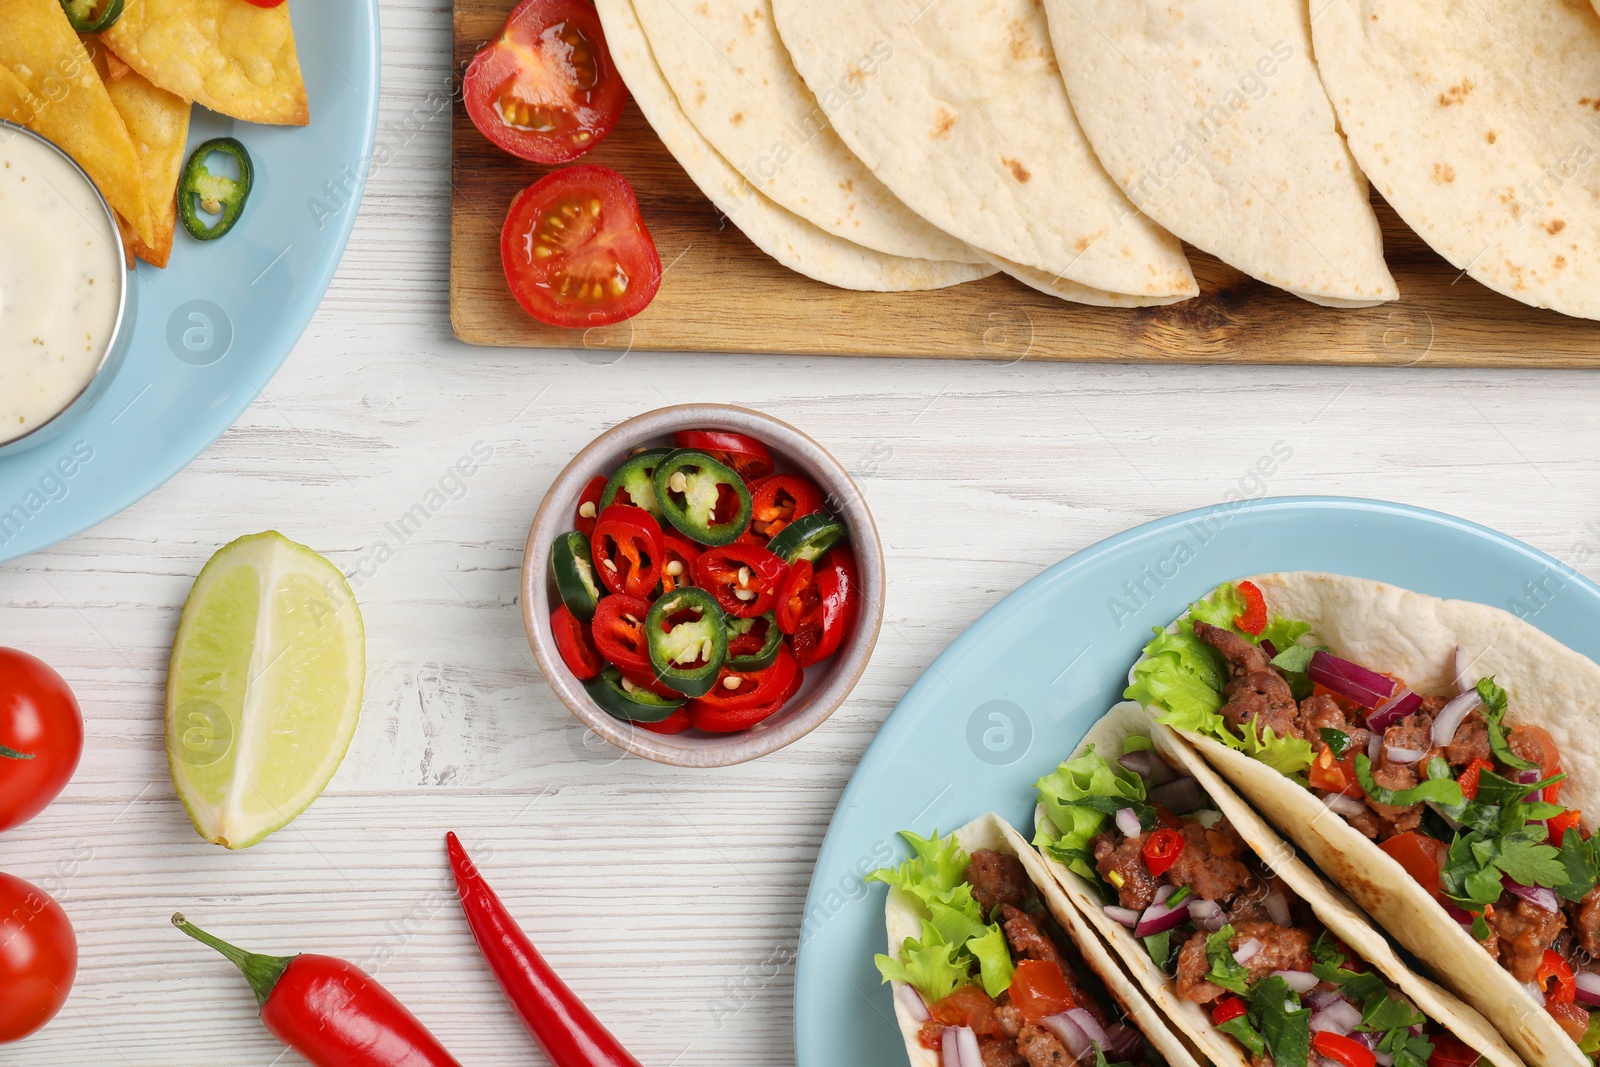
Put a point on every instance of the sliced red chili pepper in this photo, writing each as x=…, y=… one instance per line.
x=840, y=592
x=676, y=723
x=589, y=505
x=627, y=550
x=1554, y=968
x=676, y=550
x=753, y=689
x=618, y=630
x=1451, y=1051
x=731, y=570
x=744, y=454
x=1344, y=1050
x=1571, y=819
x=778, y=500
x=647, y=681
x=576, y=648
x=799, y=602
x=1229, y=1007
x=1162, y=849
x=1254, y=619
x=1469, y=777
x=728, y=722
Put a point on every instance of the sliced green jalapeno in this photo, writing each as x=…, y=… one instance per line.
x=216, y=194
x=703, y=498
x=627, y=701
x=634, y=478
x=687, y=634
x=807, y=537
x=81, y=13
x=572, y=567
x=749, y=650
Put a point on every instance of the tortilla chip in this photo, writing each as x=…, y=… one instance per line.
x=54, y=90
x=105, y=61
x=158, y=122
x=235, y=58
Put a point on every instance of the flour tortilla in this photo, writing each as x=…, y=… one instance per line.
x=991, y=831
x=1211, y=117
x=959, y=109
x=733, y=78
x=1335, y=911
x=1477, y=122
x=1414, y=636
x=785, y=237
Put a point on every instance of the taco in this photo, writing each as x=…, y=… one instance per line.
x=991, y=965
x=1417, y=749
x=1249, y=953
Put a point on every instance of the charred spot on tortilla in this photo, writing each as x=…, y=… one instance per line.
x=1555, y=226
x=945, y=121
x=1018, y=171
x=1456, y=94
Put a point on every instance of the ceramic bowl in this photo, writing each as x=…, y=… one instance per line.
x=826, y=684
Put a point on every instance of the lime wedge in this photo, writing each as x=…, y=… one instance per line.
x=264, y=687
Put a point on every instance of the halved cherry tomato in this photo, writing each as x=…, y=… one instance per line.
x=1335, y=775
x=676, y=723
x=1469, y=777
x=1421, y=857
x=1451, y=1051
x=576, y=648
x=1162, y=849
x=618, y=630
x=677, y=550
x=1229, y=1007
x=1556, y=979
x=839, y=590
x=728, y=571
x=1571, y=819
x=778, y=500
x=1039, y=989
x=576, y=251
x=589, y=505
x=627, y=550
x=1345, y=1050
x=744, y=454
x=1254, y=619
x=546, y=90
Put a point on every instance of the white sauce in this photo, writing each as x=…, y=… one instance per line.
x=61, y=273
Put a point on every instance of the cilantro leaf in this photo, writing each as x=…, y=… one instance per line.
x=1581, y=862
x=1494, y=713
x=1226, y=971
x=1407, y=1049
x=1160, y=948
x=1528, y=860
x=1284, y=1023
x=1242, y=1030
x=1437, y=788
x=1383, y=1013
x=1337, y=740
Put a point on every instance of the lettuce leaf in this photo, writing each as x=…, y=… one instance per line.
x=1286, y=755
x=1062, y=792
x=928, y=965
x=1284, y=633
x=1182, y=677
x=1224, y=605
x=932, y=873
x=994, y=960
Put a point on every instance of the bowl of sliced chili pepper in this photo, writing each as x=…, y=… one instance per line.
x=703, y=585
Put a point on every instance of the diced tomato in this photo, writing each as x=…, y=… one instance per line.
x=1450, y=1051
x=1229, y=1007
x=1254, y=619
x=1335, y=775
x=1534, y=743
x=1039, y=989
x=1571, y=819
x=576, y=251
x=676, y=723
x=1421, y=856
x=545, y=90
x=573, y=642
x=1469, y=777
x=1345, y=1050
x=1162, y=849
x=1556, y=979
x=968, y=1006
x=589, y=505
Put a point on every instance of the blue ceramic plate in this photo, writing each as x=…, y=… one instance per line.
x=1015, y=693
x=211, y=329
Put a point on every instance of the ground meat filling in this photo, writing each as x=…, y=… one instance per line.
x=1040, y=1048
x=1211, y=861
x=1126, y=861
x=1321, y=712
x=1586, y=922
x=1471, y=741
x=1523, y=933
x=1001, y=1052
x=998, y=879
x=1255, y=692
x=1283, y=948
x=1412, y=734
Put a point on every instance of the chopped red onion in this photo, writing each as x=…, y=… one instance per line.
x=1463, y=666
x=1207, y=817
x=1128, y=822
x=1588, y=987
x=1398, y=754
x=967, y=1041
x=911, y=1001
x=1180, y=796
x=1452, y=715
x=1340, y=804
x=1208, y=915
x=1538, y=896
x=1340, y=1017
x=1460, y=915
x=1351, y=680
x=1269, y=648
x=1374, y=746
x=1071, y=1034
x=949, y=1048
x=1090, y=1027
x=1158, y=918
x=1125, y=916
x=1126, y=1045
x=1370, y=1041
x=1393, y=710
x=1164, y=892
x=1299, y=981
x=1277, y=906
x=1321, y=998
x=1248, y=951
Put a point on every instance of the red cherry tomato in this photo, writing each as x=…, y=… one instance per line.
x=572, y=641
x=778, y=500
x=730, y=570
x=744, y=454
x=40, y=723
x=576, y=251
x=589, y=502
x=546, y=89
x=618, y=630
x=38, y=958
x=626, y=547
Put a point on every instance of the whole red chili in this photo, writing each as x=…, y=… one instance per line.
x=331, y=1012
x=567, y=1031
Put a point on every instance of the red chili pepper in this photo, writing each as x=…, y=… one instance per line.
x=646, y=679
x=755, y=689
x=573, y=642
x=799, y=602
x=675, y=550
x=1162, y=849
x=567, y=1031
x=727, y=571
x=1229, y=1007
x=778, y=500
x=1554, y=967
x=331, y=1012
x=1469, y=777
x=744, y=454
x=840, y=593
x=627, y=550
x=1254, y=619
x=618, y=629
x=589, y=502
x=1345, y=1050
x=676, y=723
x=1552, y=792
x=1571, y=819
x=720, y=722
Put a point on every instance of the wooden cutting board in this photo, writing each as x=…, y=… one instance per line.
x=721, y=294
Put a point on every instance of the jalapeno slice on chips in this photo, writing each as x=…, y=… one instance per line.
x=92, y=16
x=627, y=701
x=215, y=194
x=572, y=567
x=807, y=538
x=704, y=498
x=688, y=638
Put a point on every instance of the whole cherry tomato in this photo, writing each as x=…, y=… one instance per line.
x=41, y=736
x=38, y=958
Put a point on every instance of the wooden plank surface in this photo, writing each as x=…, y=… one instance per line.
x=722, y=294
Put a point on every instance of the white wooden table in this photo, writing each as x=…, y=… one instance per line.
x=670, y=900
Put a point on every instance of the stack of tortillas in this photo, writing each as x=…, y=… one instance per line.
x=1075, y=146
